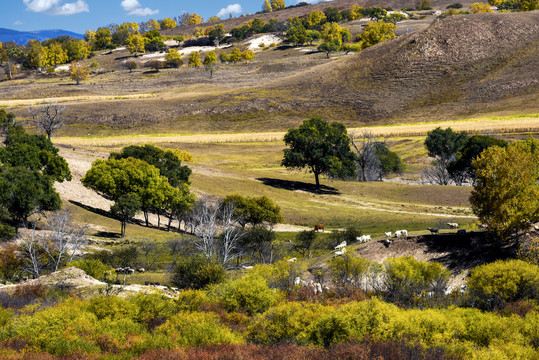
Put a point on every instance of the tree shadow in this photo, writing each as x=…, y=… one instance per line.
x=70, y=84
x=298, y=185
x=466, y=251
x=108, y=235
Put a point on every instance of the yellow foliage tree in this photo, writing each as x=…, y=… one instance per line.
x=314, y=18
x=168, y=23
x=267, y=6
x=214, y=18
x=36, y=54
x=135, y=44
x=173, y=58
x=79, y=71
x=355, y=12
x=277, y=4
x=194, y=59
x=477, y=8
x=195, y=19
x=55, y=54
x=210, y=60
x=375, y=32
x=153, y=25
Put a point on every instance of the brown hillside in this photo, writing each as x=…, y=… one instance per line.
x=466, y=63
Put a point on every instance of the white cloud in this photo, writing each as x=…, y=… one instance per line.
x=54, y=7
x=18, y=22
x=130, y=5
x=71, y=8
x=230, y=9
x=133, y=7
x=40, y=5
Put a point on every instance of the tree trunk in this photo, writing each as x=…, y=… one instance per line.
x=146, y=217
x=317, y=180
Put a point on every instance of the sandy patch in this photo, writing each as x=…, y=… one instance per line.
x=254, y=43
x=62, y=68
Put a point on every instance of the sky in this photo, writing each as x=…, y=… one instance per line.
x=81, y=15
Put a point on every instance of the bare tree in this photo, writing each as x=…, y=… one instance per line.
x=180, y=246
x=31, y=250
x=149, y=248
x=231, y=235
x=367, y=160
x=205, y=228
x=436, y=173
x=48, y=117
x=65, y=240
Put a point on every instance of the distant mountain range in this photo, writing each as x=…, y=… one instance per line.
x=22, y=37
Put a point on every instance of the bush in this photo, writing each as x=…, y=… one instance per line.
x=528, y=250
x=407, y=278
x=454, y=6
x=250, y=294
x=154, y=64
x=191, y=300
x=491, y=285
x=7, y=232
x=280, y=275
x=349, y=270
x=93, y=267
x=196, y=329
x=153, y=309
x=350, y=235
x=284, y=323
x=197, y=272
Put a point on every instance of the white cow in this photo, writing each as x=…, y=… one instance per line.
x=364, y=238
x=292, y=260
x=401, y=233
x=388, y=234
x=340, y=246
x=453, y=225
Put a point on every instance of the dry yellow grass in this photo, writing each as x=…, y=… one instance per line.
x=520, y=124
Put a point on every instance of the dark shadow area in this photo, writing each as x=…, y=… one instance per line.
x=150, y=72
x=120, y=58
x=466, y=251
x=298, y=185
x=108, y=235
x=70, y=84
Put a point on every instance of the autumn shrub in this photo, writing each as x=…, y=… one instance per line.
x=5, y=316
x=196, y=272
x=492, y=285
x=407, y=278
x=351, y=270
x=528, y=250
x=279, y=275
x=196, y=329
x=249, y=293
x=153, y=309
x=111, y=308
x=93, y=267
x=284, y=323
x=191, y=300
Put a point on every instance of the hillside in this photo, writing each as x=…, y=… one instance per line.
x=22, y=37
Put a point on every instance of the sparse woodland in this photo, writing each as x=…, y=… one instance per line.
x=243, y=199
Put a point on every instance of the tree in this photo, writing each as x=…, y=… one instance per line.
x=443, y=146
x=153, y=41
x=375, y=32
x=194, y=59
x=197, y=272
x=394, y=18
x=374, y=13
x=55, y=54
x=167, y=23
x=135, y=44
x=304, y=242
x=36, y=54
x=48, y=118
x=102, y=38
x=152, y=25
x=312, y=35
x=210, y=60
x=77, y=50
x=125, y=208
x=329, y=47
x=254, y=210
x=277, y=4
x=195, y=19
x=318, y=145
x=79, y=71
x=332, y=15
x=506, y=193
x=154, y=64
x=477, y=8
x=315, y=17
x=173, y=58
x=167, y=162
x=131, y=65
x=217, y=34
x=214, y=18
x=296, y=35
x=266, y=7
x=462, y=168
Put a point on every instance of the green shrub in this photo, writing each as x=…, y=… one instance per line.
x=351, y=270
x=492, y=285
x=7, y=232
x=5, y=317
x=197, y=272
x=406, y=278
x=279, y=275
x=93, y=267
x=284, y=323
x=197, y=329
x=250, y=294
x=153, y=309
x=191, y=300
x=112, y=308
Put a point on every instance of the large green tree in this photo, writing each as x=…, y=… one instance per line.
x=443, y=145
x=320, y=146
x=254, y=210
x=506, y=193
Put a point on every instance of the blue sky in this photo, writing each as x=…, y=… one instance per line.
x=80, y=15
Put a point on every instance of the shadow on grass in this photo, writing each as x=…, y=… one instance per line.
x=298, y=185
x=108, y=235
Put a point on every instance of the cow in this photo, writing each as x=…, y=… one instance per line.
x=400, y=233
x=318, y=227
x=388, y=234
x=453, y=225
x=341, y=246
x=433, y=230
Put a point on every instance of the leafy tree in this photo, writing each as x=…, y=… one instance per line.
x=477, y=8
x=332, y=15
x=195, y=19
x=173, y=58
x=267, y=6
x=389, y=161
x=167, y=23
x=304, y=242
x=394, y=18
x=55, y=54
x=296, y=35
x=321, y=146
x=312, y=35
x=102, y=39
x=462, y=168
x=135, y=44
x=375, y=32
x=197, y=272
x=125, y=208
x=152, y=25
x=333, y=31
x=314, y=18
x=36, y=54
x=254, y=210
x=506, y=193
x=194, y=59
x=277, y=4
x=89, y=37
x=248, y=55
x=153, y=41
x=217, y=34
x=374, y=13
x=529, y=5
x=356, y=12
x=131, y=65
x=443, y=146
x=330, y=46
x=214, y=18
x=210, y=60
x=77, y=50
x=79, y=71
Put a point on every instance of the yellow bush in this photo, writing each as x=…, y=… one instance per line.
x=477, y=8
